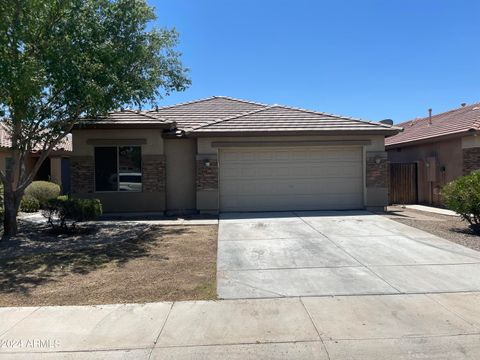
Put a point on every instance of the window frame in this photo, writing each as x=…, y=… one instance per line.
x=117, y=147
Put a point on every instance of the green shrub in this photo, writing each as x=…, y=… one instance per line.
x=64, y=212
x=43, y=191
x=29, y=204
x=463, y=196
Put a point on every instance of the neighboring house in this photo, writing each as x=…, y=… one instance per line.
x=442, y=147
x=224, y=154
x=55, y=168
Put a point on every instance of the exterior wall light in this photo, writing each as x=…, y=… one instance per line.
x=207, y=163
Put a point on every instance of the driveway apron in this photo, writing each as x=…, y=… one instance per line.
x=288, y=254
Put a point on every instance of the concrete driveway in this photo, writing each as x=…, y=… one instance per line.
x=263, y=255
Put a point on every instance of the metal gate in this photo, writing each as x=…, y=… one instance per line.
x=403, y=184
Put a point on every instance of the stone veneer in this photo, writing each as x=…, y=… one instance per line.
x=82, y=174
x=377, y=174
x=153, y=173
x=207, y=176
x=471, y=160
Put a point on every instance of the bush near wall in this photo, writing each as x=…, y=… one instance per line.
x=42, y=191
x=29, y=204
x=463, y=196
x=64, y=212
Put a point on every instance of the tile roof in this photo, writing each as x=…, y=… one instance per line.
x=220, y=114
x=6, y=141
x=202, y=112
x=282, y=118
x=456, y=121
x=125, y=118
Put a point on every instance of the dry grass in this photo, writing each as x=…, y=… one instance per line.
x=161, y=263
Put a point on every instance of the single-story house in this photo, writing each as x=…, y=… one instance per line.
x=224, y=154
x=441, y=147
x=56, y=168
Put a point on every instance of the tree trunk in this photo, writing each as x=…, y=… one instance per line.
x=11, y=203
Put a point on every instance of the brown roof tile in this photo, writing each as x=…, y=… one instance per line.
x=201, y=112
x=125, y=118
x=284, y=119
x=455, y=121
x=220, y=114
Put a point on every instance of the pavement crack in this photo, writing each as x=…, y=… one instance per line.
x=161, y=330
x=315, y=327
x=19, y=321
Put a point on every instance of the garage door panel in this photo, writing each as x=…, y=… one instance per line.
x=299, y=154
x=291, y=179
x=300, y=187
x=304, y=202
x=322, y=169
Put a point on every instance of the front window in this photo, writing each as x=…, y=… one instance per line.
x=118, y=168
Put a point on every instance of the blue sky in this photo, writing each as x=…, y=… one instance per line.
x=372, y=59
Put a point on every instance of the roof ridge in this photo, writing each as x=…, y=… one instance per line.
x=231, y=117
x=439, y=114
x=241, y=100
x=337, y=116
x=131, y=111
x=144, y=113
x=206, y=99
x=182, y=103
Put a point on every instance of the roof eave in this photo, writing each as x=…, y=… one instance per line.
x=379, y=131
x=431, y=139
x=84, y=126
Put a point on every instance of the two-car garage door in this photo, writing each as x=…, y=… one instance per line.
x=295, y=178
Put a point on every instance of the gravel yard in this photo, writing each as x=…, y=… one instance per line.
x=108, y=264
x=448, y=227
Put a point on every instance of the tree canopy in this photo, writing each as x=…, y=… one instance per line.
x=63, y=59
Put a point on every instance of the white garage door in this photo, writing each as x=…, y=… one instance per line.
x=296, y=178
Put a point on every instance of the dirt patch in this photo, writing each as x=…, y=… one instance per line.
x=448, y=227
x=149, y=263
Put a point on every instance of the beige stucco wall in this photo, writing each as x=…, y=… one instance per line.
x=153, y=138
x=196, y=150
x=153, y=144
x=448, y=165
x=56, y=170
x=374, y=198
x=470, y=141
x=180, y=170
x=30, y=162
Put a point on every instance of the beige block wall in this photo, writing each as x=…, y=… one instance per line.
x=374, y=197
x=122, y=201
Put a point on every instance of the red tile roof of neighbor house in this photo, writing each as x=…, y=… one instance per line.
x=6, y=141
x=456, y=121
x=220, y=114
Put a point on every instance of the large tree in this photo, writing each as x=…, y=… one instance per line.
x=64, y=59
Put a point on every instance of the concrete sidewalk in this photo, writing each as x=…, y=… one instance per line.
x=432, y=209
x=426, y=326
